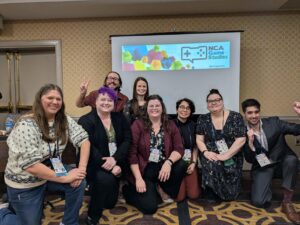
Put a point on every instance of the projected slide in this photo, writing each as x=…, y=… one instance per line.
x=168, y=57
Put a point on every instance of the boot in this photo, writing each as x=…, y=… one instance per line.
x=290, y=212
x=287, y=206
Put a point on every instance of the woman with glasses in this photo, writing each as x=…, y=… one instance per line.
x=135, y=108
x=220, y=134
x=154, y=158
x=190, y=184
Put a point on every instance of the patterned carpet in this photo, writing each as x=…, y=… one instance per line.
x=198, y=212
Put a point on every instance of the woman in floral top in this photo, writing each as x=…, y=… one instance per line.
x=154, y=158
x=220, y=134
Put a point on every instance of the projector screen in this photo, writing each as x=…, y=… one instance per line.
x=185, y=65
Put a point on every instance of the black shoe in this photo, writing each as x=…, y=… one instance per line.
x=90, y=221
x=211, y=197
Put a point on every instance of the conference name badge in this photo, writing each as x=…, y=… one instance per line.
x=112, y=148
x=187, y=155
x=222, y=146
x=154, y=155
x=263, y=160
x=58, y=167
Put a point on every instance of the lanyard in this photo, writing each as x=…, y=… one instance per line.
x=55, y=152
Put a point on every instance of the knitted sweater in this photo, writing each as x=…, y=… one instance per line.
x=26, y=148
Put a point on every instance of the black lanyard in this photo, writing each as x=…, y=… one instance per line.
x=55, y=152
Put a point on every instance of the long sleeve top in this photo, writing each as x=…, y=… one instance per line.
x=26, y=148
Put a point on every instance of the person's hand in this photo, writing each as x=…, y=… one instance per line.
x=116, y=171
x=191, y=168
x=140, y=185
x=211, y=156
x=250, y=134
x=84, y=87
x=74, y=174
x=110, y=162
x=296, y=107
x=165, y=171
x=75, y=183
x=223, y=157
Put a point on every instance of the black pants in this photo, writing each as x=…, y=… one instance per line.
x=104, y=193
x=261, y=191
x=148, y=202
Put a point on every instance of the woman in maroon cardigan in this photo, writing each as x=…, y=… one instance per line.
x=154, y=158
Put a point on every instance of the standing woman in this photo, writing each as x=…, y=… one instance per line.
x=154, y=158
x=220, y=136
x=190, y=183
x=35, y=147
x=110, y=137
x=135, y=108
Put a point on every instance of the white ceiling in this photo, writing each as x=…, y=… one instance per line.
x=58, y=9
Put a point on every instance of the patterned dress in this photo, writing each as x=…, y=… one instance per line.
x=224, y=180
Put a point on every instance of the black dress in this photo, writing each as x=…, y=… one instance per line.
x=224, y=180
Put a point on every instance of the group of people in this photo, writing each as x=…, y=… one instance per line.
x=135, y=142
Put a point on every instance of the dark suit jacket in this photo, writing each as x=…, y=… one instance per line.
x=99, y=141
x=275, y=130
x=140, y=149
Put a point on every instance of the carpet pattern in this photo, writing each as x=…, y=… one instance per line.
x=236, y=213
x=200, y=212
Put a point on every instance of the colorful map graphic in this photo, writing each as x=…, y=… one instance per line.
x=190, y=56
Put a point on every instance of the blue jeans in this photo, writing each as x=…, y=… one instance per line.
x=7, y=217
x=28, y=202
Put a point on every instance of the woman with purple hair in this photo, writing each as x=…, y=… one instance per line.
x=110, y=137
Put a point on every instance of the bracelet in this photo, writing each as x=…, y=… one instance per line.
x=193, y=162
x=170, y=160
x=204, y=151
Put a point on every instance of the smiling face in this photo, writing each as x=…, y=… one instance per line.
x=215, y=103
x=112, y=81
x=154, y=108
x=141, y=88
x=51, y=102
x=252, y=115
x=183, y=111
x=104, y=104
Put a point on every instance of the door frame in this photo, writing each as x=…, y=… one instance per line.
x=40, y=44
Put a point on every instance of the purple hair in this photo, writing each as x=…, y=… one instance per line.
x=110, y=92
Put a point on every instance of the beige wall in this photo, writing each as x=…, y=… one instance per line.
x=270, y=50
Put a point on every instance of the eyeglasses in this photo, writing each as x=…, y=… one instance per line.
x=213, y=101
x=182, y=107
x=113, y=78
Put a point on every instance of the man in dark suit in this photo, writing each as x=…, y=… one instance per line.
x=267, y=136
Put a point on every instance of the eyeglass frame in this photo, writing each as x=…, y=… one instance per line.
x=182, y=107
x=113, y=78
x=217, y=100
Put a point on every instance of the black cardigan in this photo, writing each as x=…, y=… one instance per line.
x=99, y=141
